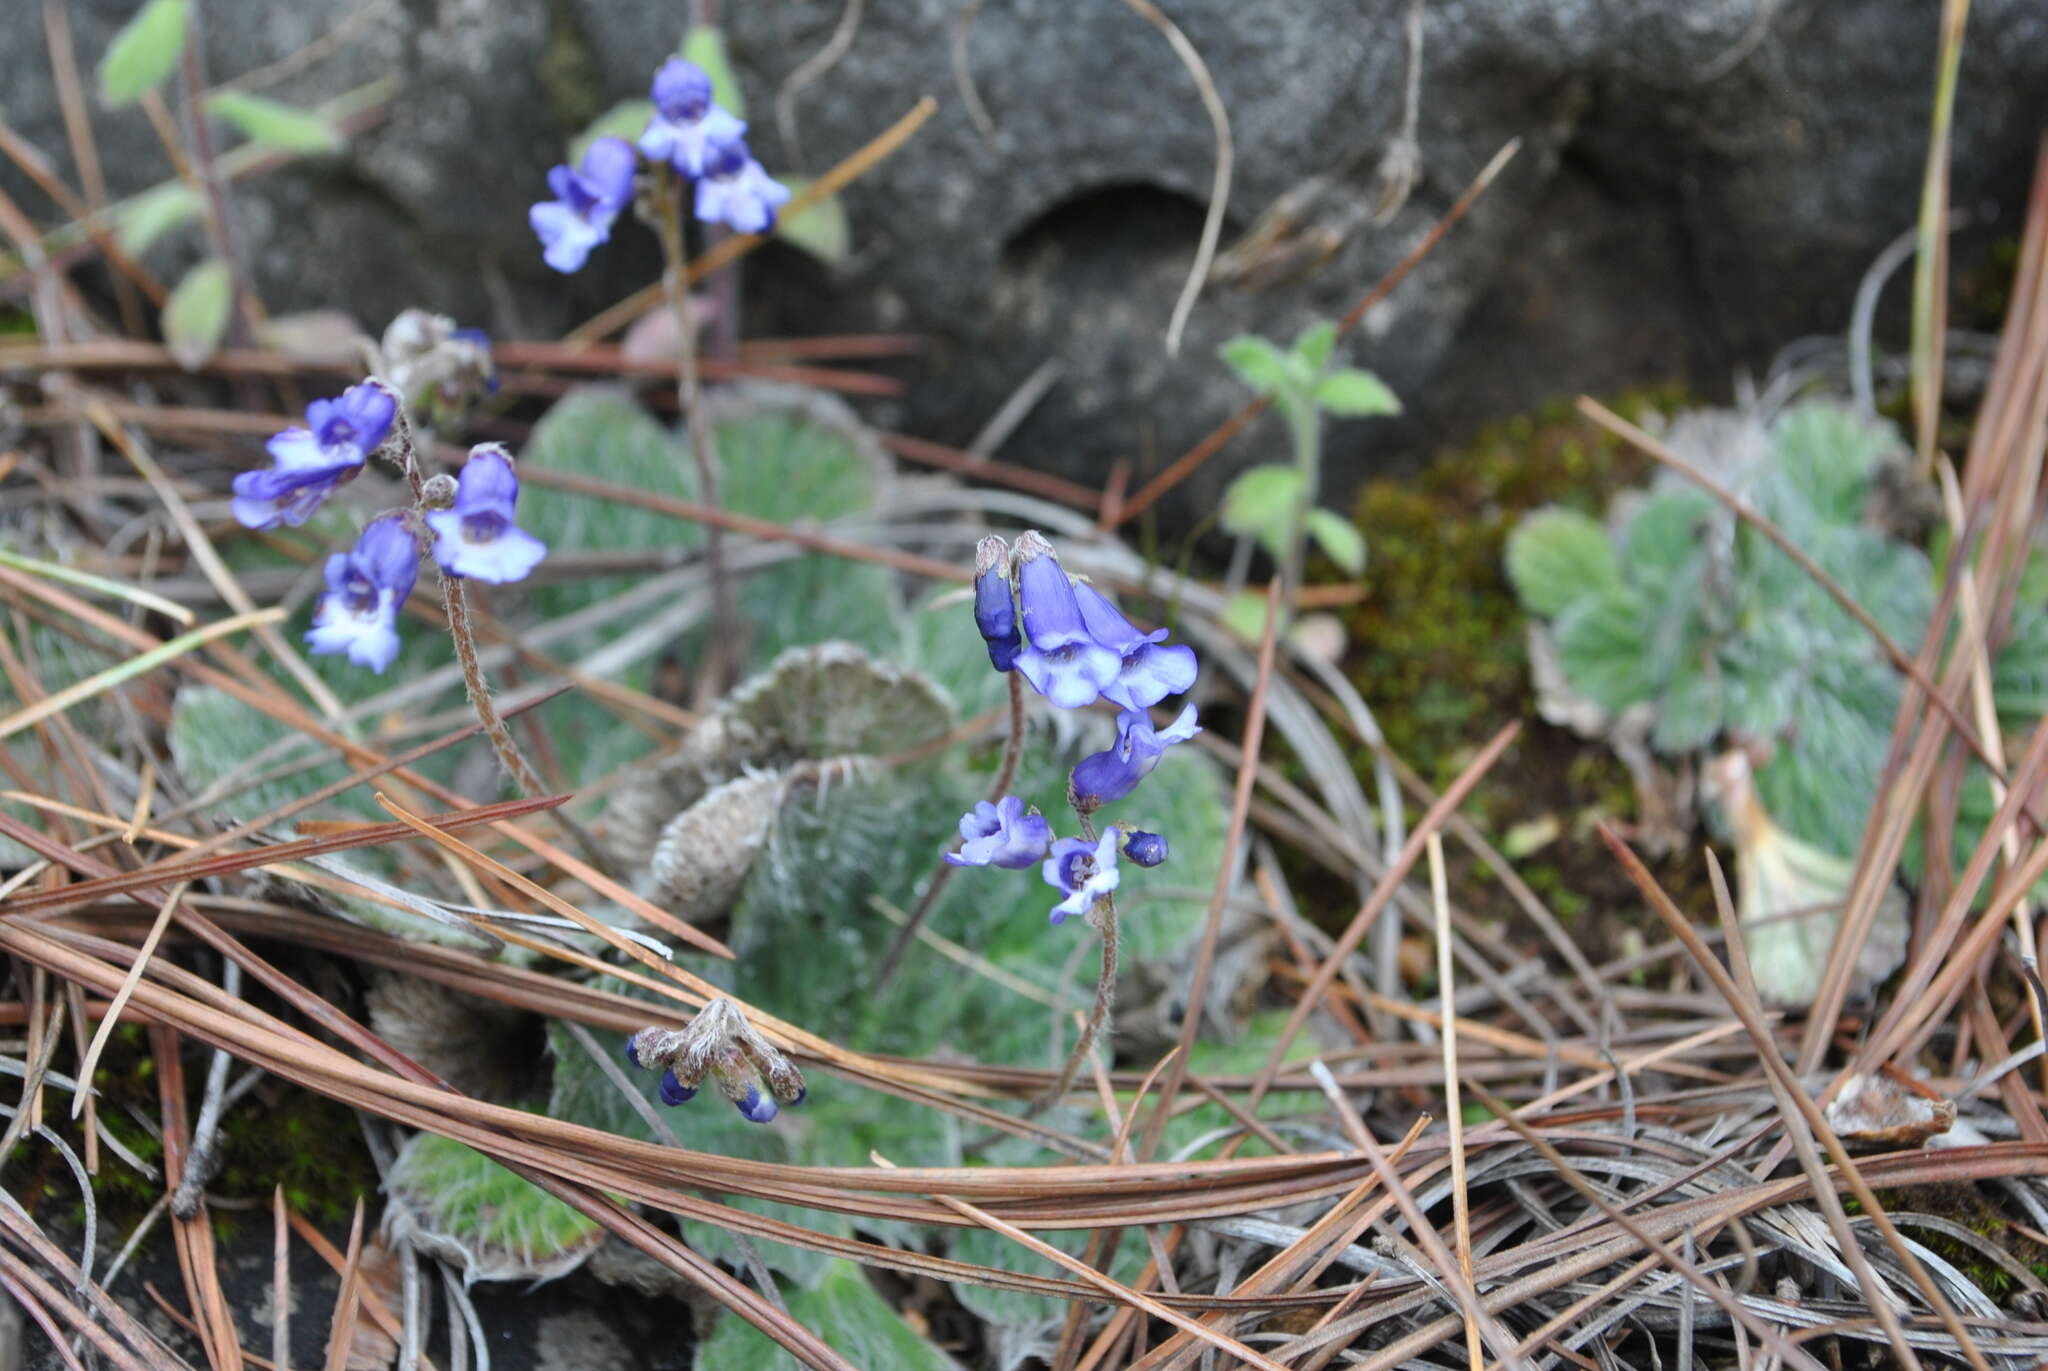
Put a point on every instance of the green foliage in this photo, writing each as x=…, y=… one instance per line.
x=843, y=1308
x=195, y=317
x=275, y=125
x=1722, y=633
x=143, y=53
x=1261, y=503
x=1354, y=394
x=627, y=119
x=705, y=45
x=1261, y=366
x=1339, y=539
x=820, y=228
x=1555, y=555
x=497, y=1225
x=1275, y=504
x=149, y=216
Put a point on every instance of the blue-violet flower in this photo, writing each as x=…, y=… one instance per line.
x=365, y=586
x=477, y=537
x=995, y=608
x=1001, y=834
x=685, y=120
x=586, y=202
x=312, y=462
x=737, y=191
x=1146, y=849
x=1106, y=776
x=1151, y=669
x=1063, y=661
x=1085, y=871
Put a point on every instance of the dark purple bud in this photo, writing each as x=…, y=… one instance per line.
x=995, y=609
x=633, y=1052
x=1146, y=849
x=755, y=1105
x=673, y=1091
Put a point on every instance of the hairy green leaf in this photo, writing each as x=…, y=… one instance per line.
x=1262, y=502
x=195, y=318
x=152, y=214
x=705, y=45
x=820, y=228
x=275, y=125
x=457, y=1203
x=1315, y=343
x=627, y=120
x=1339, y=539
x=1603, y=642
x=144, y=52
x=1257, y=363
x=1355, y=394
x=848, y=1312
x=1557, y=557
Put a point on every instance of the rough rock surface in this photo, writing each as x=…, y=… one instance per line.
x=1698, y=184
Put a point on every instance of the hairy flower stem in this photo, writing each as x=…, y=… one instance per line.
x=1103, y=916
x=455, y=602
x=722, y=647
x=943, y=876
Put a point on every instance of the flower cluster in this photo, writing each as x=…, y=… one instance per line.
x=720, y=1044
x=1074, y=647
x=690, y=132
x=468, y=517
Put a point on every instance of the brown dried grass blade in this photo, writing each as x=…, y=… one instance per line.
x=341, y=1333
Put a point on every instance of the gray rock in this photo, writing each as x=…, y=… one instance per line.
x=1698, y=184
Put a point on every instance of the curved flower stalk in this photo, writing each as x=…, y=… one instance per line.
x=722, y=1046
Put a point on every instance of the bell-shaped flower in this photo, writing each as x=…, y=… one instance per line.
x=1001, y=834
x=365, y=586
x=686, y=122
x=720, y=1044
x=1062, y=659
x=477, y=537
x=1151, y=668
x=995, y=607
x=1146, y=849
x=310, y=463
x=1084, y=872
x=737, y=191
x=1103, y=777
x=586, y=202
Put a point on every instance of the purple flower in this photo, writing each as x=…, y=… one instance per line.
x=734, y=189
x=365, y=586
x=673, y=1091
x=1001, y=834
x=685, y=121
x=586, y=201
x=312, y=462
x=1085, y=871
x=1151, y=670
x=755, y=1104
x=477, y=537
x=1146, y=849
x=1107, y=776
x=995, y=609
x=1063, y=662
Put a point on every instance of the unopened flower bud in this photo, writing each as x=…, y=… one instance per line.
x=719, y=1044
x=1145, y=849
x=438, y=492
